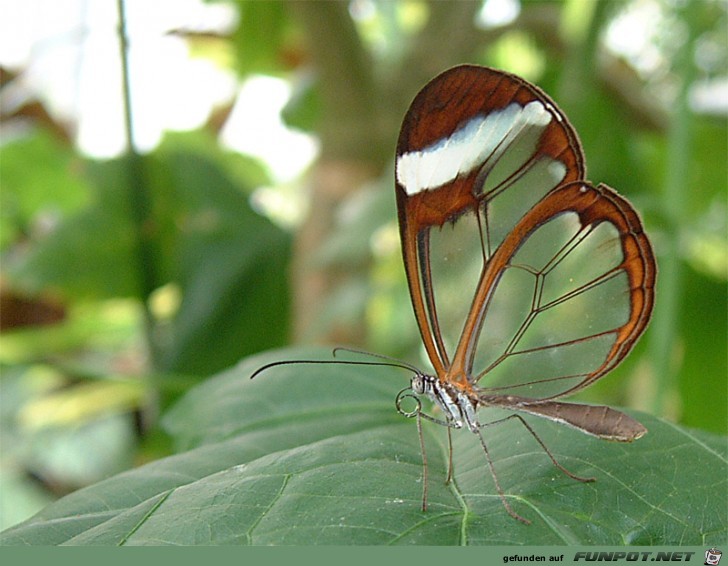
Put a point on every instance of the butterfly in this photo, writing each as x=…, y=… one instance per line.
x=528, y=283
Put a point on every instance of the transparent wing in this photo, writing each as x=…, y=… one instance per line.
x=478, y=149
x=564, y=298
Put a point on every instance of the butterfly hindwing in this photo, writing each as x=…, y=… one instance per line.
x=565, y=297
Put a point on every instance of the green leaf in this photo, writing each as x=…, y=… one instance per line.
x=705, y=346
x=317, y=454
x=230, y=262
x=89, y=253
x=40, y=177
x=304, y=108
x=260, y=37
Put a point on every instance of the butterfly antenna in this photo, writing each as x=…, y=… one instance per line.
x=389, y=362
x=394, y=361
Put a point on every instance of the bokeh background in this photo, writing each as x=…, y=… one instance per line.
x=185, y=183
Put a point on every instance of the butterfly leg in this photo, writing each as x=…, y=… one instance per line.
x=502, y=496
x=449, y=456
x=417, y=412
x=424, y=461
x=542, y=444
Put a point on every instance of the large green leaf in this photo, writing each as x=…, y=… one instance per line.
x=260, y=38
x=89, y=253
x=309, y=454
x=705, y=338
x=40, y=177
x=230, y=262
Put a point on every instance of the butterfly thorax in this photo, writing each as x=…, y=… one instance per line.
x=457, y=404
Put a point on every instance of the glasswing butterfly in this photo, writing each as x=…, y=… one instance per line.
x=528, y=282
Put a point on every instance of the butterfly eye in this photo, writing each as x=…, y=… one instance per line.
x=418, y=384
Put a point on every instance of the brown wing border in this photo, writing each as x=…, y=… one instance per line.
x=593, y=205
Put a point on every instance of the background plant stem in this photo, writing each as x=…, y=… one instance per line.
x=139, y=203
x=664, y=332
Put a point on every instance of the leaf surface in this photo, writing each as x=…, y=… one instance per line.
x=317, y=454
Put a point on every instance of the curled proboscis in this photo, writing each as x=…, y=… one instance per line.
x=405, y=394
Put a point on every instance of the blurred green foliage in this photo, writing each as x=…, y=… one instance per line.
x=221, y=283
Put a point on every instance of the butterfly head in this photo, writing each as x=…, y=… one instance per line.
x=422, y=384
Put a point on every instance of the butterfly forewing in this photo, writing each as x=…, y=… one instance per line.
x=525, y=279
x=468, y=168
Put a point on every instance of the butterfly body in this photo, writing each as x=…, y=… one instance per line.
x=458, y=405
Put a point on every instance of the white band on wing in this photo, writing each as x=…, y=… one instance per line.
x=481, y=138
